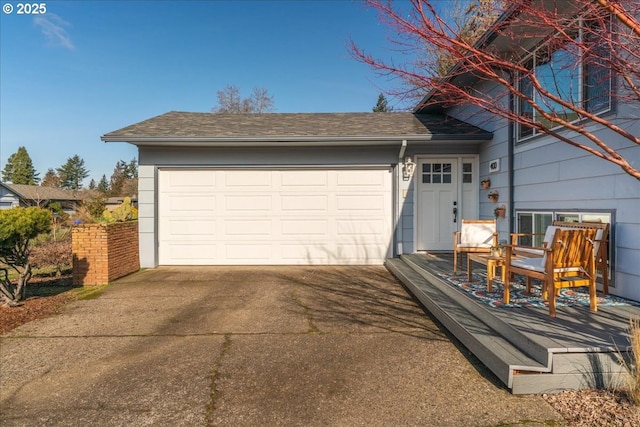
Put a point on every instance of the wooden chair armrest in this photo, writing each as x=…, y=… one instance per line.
x=522, y=249
x=526, y=247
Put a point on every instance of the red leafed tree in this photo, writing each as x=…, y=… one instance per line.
x=552, y=66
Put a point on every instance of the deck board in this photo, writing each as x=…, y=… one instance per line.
x=526, y=339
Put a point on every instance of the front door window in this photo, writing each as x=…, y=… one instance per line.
x=436, y=173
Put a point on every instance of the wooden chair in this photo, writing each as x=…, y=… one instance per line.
x=600, y=245
x=568, y=261
x=475, y=236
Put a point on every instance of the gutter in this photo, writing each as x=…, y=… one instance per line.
x=284, y=141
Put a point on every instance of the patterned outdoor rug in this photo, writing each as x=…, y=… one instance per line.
x=571, y=297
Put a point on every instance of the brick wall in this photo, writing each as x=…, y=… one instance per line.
x=104, y=252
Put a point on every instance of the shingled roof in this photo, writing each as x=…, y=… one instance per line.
x=38, y=193
x=207, y=127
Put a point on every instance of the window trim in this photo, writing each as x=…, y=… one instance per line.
x=582, y=89
x=554, y=217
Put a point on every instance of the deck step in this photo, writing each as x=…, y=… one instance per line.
x=500, y=355
x=514, y=335
x=526, y=349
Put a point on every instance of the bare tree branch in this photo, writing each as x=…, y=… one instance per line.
x=230, y=101
x=602, y=34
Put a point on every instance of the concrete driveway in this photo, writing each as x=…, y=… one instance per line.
x=250, y=346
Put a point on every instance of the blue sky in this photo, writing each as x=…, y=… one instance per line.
x=85, y=68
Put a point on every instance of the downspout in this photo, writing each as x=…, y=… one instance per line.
x=397, y=247
x=403, y=148
x=511, y=161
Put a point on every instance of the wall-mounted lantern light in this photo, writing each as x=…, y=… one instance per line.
x=408, y=168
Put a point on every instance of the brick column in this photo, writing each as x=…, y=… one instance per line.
x=104, y=252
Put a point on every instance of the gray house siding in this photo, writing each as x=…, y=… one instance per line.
x=550, y=175
x=147, y=214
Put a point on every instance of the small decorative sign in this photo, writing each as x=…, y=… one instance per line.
x=494, y=166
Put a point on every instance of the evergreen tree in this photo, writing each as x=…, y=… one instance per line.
x=117, y=179
x=92, y=184
x=19, y=169
x=124, y=180
x=103, y=185
x=51, y=179
x=382, y=106
x=131, y=171
x=72, y=173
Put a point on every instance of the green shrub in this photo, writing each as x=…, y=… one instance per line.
x=18, y=226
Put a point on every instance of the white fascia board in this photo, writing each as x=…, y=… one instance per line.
x=291, y=141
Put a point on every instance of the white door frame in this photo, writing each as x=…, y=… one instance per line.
x=467, y=193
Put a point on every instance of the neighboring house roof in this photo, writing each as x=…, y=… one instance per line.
x=118, y=200
x=279, y=128
x=38, y=193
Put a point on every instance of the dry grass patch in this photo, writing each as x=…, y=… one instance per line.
x=634, y=366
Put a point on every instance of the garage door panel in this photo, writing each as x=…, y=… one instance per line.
x=249, y=180
x=361, y=228
x=304, y=228
x=189, y=253
x=373, y=204
x=296, y=203
x=252, y=228
x=192, y=205
x=293, y=180
x=196, y=230
x=255, y=252
x=274, y=217
x=190, y=180
x=250, y=203
x=359, y=178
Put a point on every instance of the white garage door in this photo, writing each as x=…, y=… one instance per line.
x=264, y=217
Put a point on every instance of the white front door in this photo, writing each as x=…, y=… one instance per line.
x=437, y=184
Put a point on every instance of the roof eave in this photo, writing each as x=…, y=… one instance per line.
x=285, y=141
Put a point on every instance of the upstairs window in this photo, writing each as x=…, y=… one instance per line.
x=564, y=70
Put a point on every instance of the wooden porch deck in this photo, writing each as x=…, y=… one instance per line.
x=529, y=351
